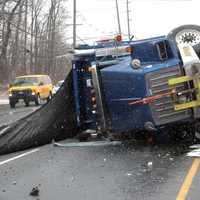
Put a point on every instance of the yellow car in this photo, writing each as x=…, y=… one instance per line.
x=30, y=88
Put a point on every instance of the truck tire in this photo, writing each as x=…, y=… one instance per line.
x=189, y=34
x=26, y=103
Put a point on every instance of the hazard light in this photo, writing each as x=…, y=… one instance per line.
x=118, y=38
x=129, y=49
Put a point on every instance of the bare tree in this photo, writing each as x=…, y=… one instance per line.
x=3, y=54
x=31, y=38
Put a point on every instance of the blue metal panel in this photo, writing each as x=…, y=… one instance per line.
x=160, y=65
x=122, y=84
x=76, y=91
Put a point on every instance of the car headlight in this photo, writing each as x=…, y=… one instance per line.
x=10, y=94
x=33, y=93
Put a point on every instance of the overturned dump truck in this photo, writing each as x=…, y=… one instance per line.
x=149, y=85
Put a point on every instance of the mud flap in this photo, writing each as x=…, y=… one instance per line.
x=54, y=120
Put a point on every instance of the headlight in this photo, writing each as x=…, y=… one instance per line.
x=136, y=64
x=33, y=93
x=10, y=94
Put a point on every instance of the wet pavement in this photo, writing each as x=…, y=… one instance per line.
x=8, y=115
x=121, y=172
x=128, y=171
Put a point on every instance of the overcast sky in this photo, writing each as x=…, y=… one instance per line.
x=148, y=17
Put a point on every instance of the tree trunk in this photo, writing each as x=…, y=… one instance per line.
x=3, y=55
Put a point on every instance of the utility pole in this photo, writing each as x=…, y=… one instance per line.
x=74, y=26
x=128, y=19
x=118, y=18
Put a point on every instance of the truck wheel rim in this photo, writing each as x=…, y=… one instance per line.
x=189, y=36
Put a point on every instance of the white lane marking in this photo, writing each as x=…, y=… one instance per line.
x=4, y=129
x=19, y=156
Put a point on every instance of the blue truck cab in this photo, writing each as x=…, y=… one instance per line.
x=106, y=83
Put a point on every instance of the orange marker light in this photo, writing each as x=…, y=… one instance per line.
x=93, y=99
x=129, y=49
x=118, y=38
x=173, y=91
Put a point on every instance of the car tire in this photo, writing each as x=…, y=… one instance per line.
x=12, y=104
x=37, y=100
x=27, y=103
x=49, y=97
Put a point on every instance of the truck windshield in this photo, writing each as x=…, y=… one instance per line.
x=25, y=81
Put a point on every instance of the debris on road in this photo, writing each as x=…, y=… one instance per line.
x=129, y=174
x=195, y=152
x=195, y=146
x=34, y=191
x=14, y=183
x=150, y=164
x=171, y=159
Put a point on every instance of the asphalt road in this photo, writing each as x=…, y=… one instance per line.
x=129, y=171
x=8, y=115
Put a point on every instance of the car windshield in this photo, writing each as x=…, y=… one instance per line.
x=25, y=81
x=59, y=83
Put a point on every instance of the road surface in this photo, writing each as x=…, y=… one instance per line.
x=124, y=172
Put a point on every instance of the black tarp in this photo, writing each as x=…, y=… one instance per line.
x=54, y=120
